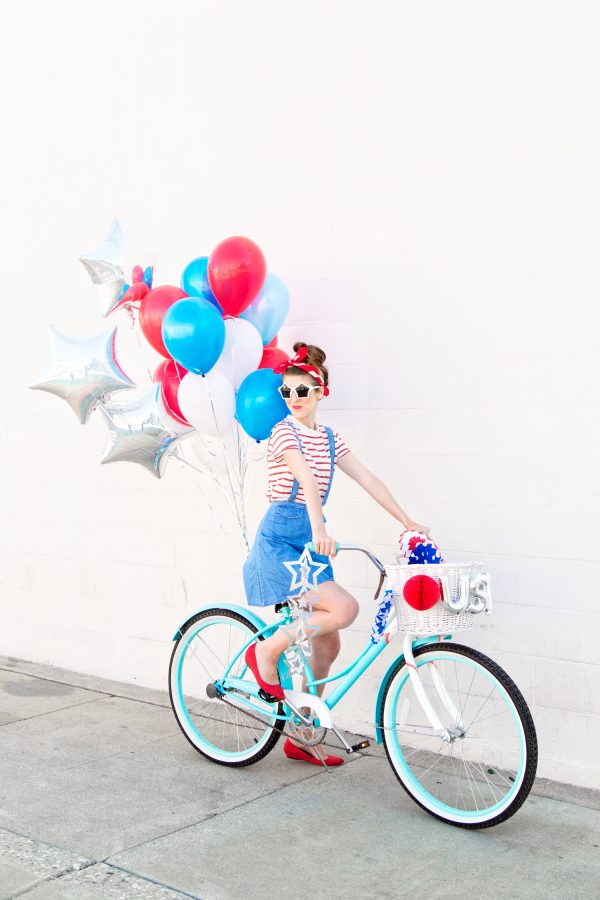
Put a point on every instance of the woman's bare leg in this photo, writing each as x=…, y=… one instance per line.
x=325, y=648
x=332, y=608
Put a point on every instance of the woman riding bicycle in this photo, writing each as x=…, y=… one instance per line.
x=301, y=456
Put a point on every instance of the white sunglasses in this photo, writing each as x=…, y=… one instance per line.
x=301, y=390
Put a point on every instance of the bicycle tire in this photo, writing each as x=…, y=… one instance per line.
x=522, y=711
x=274, y=736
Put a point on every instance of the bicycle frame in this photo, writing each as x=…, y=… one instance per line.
x=247, y=691
x=349, y=675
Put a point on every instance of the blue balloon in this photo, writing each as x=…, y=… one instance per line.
x=194, y=281
x=259, y=405
x=269, y=310
x=194, y=334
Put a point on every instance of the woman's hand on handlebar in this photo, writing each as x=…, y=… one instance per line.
x=324, y=544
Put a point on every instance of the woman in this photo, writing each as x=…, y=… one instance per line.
x=301, y=456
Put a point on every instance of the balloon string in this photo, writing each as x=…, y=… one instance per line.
x=185, y=462
x=227, y=466
x=216, y=475
x=214, y=472
x=240, y=473
x=141, y=346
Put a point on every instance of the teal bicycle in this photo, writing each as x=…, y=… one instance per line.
x=456, y=729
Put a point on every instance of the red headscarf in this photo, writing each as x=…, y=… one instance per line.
x=296, y=361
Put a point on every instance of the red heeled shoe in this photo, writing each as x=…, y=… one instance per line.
x=272, y=693
x=293, y=752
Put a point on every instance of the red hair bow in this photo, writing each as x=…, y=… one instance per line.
x=296, y=361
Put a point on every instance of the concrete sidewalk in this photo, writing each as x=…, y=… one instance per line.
x=101, y=796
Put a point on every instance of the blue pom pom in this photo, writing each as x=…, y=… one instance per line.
x=424, y=553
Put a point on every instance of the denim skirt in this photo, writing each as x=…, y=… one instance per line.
x=281, y=535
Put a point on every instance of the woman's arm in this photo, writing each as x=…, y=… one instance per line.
x=300, y=469
x=378, y=490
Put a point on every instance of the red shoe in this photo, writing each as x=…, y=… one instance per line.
x=293, y=752
x=269, y=692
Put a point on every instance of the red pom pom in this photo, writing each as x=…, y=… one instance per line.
x=421, y=592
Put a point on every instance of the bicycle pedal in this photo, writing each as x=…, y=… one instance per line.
x=362, y=745
x=269, y=698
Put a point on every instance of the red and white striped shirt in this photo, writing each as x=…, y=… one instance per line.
x=315, y=449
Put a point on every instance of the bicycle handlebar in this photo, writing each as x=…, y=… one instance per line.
x=376, y=562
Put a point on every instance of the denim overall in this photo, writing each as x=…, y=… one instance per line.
x=282, y=533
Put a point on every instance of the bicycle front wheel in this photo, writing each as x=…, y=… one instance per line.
x=480, y=772
x=217, y=726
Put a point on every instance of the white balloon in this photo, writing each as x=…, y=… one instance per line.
x=176, y=425
x=242, y=351
x=207, y=402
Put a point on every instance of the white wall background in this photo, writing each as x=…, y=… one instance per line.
x=425, y=179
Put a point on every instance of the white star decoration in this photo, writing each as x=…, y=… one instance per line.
x=301, y=569
x=305, y=572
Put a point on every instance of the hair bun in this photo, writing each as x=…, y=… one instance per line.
x=315, y=357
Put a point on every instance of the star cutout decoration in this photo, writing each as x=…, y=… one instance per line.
x=140, y=432
x=304, y=573
x=295, y=663
x=83, y=371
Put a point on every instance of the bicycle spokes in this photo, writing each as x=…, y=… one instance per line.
x=225, y=731
x=472, y=766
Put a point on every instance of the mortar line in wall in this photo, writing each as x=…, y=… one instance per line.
x=484, y=505
x=471, y=455
x=509, y=603
x=509, y=405
x=567, y=559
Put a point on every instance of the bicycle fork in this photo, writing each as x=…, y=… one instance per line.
x=422, y=697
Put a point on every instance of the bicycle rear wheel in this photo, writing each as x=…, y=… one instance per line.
x=483, y=771
x=219, y=728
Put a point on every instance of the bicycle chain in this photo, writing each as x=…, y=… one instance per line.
x=275, y=728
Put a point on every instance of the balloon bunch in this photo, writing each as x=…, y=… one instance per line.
x=217, y=336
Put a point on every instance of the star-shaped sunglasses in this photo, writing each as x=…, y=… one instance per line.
x=301, y=391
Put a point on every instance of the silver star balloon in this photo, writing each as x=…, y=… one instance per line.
x=83, y=371
x=108, y=279
x=105, y=267
x=140, y=432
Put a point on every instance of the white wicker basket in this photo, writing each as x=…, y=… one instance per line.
x=438, y=619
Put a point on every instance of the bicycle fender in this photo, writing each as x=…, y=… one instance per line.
x=242, y=610
x=431, y=639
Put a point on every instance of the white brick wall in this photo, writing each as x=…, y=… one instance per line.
x=425, y=180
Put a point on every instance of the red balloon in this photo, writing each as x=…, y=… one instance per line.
x=169, y=374
x=236, y=273
x=134, y=294
x=271, y=357
x=152, y=310
x=272, y=343
x=421, y=592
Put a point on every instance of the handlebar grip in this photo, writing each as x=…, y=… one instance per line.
x=311, y=546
